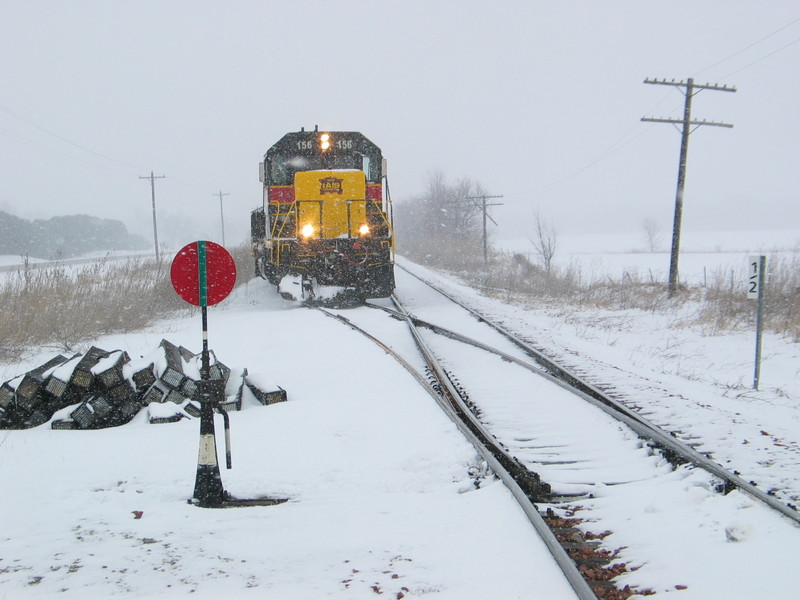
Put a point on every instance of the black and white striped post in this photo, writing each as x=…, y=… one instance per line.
x=208, y=490
x=204, y=273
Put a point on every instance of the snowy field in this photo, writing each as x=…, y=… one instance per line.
x=704, y=255
x=380, y=502
x=376, y=476
x=10, y=263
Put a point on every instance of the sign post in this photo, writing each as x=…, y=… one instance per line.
x=757, y=267
x=203, y=274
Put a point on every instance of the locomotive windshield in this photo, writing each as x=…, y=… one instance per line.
x=312, y=151
x=283, y=167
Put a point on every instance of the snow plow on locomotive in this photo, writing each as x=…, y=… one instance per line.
x=324, y=231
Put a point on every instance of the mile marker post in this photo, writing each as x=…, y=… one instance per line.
x=203, y=274
x=755, y=291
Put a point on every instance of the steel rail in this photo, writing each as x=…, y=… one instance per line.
x=673, y=446
x=639, y=424
x=487, y=450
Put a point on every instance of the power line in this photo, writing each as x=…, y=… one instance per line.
x=612, y=149
x=687, y=123
x=622, y=142
x=59, y=137
x=67, y=155
x=738, y=52
x=766, y=56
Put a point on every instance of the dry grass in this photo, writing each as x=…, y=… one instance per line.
x=716, y=307
x=68, y=306
x=722, y=305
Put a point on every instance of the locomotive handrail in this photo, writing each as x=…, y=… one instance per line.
x=277, y=251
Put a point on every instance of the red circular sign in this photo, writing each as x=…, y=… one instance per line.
x=203, y=273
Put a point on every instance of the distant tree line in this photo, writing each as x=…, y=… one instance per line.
x=64, y=237
x=442, y=225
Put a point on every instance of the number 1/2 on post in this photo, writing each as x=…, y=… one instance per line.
x=757, y=267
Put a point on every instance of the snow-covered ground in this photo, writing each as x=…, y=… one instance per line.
x=678, y=372
x=11, y=263
x=755, y=432
x=380, y=500
x=718, y=543
x=704, y=255
x=380, y=496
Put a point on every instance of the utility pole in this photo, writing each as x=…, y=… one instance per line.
x=152, y=179
x=221, y=216
x=688, y=126
x=484, y=206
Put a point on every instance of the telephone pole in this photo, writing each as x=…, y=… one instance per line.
x=688, y=126
x=152, y=179
x=221, y=216
x=484, y=206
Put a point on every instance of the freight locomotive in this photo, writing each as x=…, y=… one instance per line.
x=324, y=230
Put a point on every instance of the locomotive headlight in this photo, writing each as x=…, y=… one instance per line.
x=307, y=230
x=324, y=141
x=364, y=229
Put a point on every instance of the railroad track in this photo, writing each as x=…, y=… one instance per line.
x=562, y=447
x=522, y=484
x=586, y=565
x=676, y=451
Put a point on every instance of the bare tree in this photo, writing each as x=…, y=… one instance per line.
x=440, y=224
x=652, y=234
x=466, y=217
x=544, y=241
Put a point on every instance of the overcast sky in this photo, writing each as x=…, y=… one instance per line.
x=539, y=101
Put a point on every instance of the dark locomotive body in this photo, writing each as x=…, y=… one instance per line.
x=325, y=226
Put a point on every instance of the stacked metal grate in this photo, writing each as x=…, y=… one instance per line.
x=25, y=401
